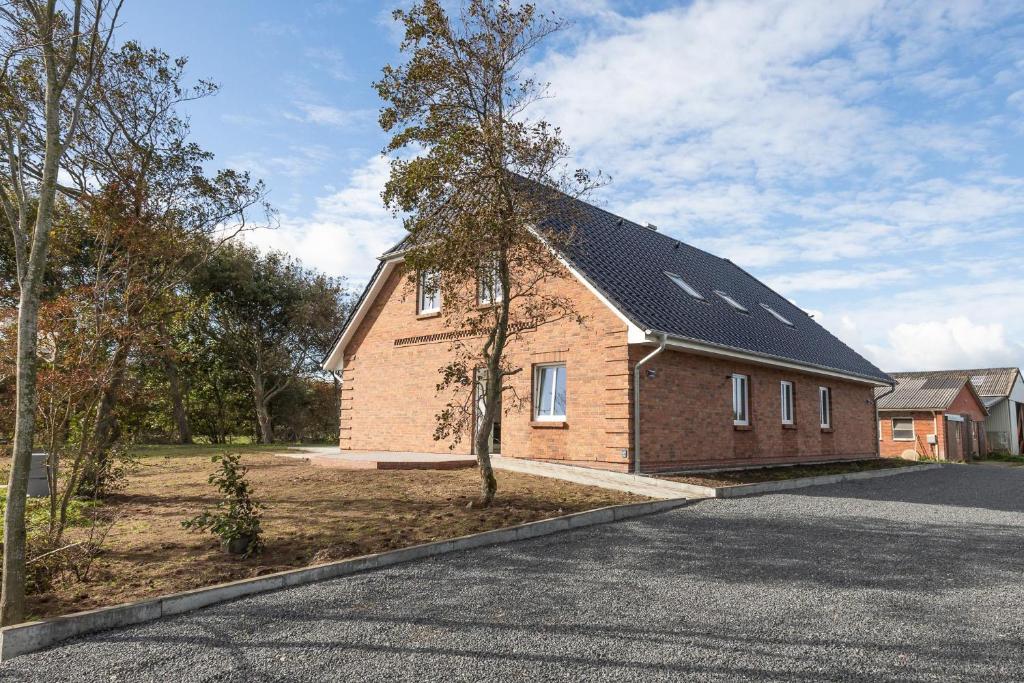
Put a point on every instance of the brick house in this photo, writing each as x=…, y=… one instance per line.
x=685, y=362
x=935, y=415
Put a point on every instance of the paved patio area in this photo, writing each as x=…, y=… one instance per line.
x=330, y=456
x=910, y=578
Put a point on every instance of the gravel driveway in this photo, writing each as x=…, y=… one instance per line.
x=916, y=577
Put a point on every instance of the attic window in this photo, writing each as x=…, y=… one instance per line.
x=778, y=316
x=977, y=381
x=732, y=302
x=684, y=285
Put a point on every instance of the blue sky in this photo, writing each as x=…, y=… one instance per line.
x=863, y=158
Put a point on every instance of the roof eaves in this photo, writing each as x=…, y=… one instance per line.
x=789, y=362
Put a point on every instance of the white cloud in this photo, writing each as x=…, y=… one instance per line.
x=346, y=232
x=945, y=345
x=302, y=160
x=331, y=61
x=326, y=115
x=833, y=279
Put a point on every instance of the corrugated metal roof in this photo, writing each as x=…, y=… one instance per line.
x=922, y=391
x=985, y=381
x=991, y=401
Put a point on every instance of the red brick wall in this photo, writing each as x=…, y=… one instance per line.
x=389, y=401
x=924, y=424
x=686, y=416
x=965, y=404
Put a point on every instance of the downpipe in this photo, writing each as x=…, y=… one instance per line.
x=878, y=421
x=636, y=399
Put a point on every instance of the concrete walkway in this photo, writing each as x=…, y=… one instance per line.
x=329, y=456
x=909, y=578
x=618, y=481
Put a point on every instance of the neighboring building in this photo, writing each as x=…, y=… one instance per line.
x=731, y=374
x=1002, y=392
x=934, y=415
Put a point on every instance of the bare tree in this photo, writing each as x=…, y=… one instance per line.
x=52, y=53
x=479, y=183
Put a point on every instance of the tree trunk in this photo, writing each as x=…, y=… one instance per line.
x=12, y=591
x=263, y=418
x=12, y=602
x=107, y=429
x=174, y=383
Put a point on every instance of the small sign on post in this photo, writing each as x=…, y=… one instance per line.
x=38, y=483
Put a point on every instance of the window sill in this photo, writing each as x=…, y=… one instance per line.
x=743, y=428
x=427, y=316
x=905, y=440
x=549, y=424
x=788, y=426
x=827, y=430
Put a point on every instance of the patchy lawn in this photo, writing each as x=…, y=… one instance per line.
x=1003, y=457
x=313, y=515
x=762, y=474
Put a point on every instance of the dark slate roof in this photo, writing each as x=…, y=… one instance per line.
x=922, y=391
x=627, y=263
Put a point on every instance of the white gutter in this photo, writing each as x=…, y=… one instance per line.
x=636, y=400
x=878, y=421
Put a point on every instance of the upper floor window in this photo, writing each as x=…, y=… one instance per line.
x=740, y=400
x=778, y=316
x=786, y=400
x=549, y=392
x=429, y=294
x=684, y=285
x=732, y=302
x=488, y=285
x=825, y=406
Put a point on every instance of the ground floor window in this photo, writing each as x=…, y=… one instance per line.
x=902, y=429
x=787, y=403
x=825, y=404
x=740, y=400
x=549, y=395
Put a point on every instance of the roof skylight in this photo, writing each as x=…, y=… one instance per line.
x=778, y=316
x=684, y=285
x=732, y=302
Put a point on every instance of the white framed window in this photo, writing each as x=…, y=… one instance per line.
x=428, y=296
x=549, y=395
x=825, y=406
x=684, y=285
x=786, y=402
x=740, y=400
x=903, y=429
x=488, y=285
x=732, y=302
x=778, y=316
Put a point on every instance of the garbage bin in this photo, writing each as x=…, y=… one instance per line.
x=38, y=484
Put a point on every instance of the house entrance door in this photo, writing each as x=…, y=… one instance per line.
x=1020, y=428
x=954, y=438
x=479, y=390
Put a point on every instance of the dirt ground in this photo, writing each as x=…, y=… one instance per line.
x=313, y=515
x=754, y=476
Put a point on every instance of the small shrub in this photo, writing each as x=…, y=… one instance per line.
x=237, y=516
